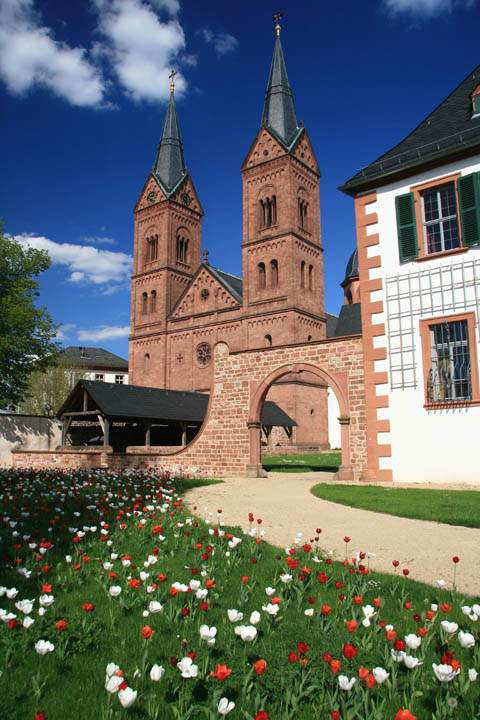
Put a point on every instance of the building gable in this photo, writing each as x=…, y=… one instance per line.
x=205, y=294
x=304, y=152
x=151, y=194
x=265, y=147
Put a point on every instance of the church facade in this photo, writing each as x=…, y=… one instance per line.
x=182, y=305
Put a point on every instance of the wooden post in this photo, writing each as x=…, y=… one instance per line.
x=106, y=432
x=148, y=428
x=184, y=433
x=65, y=427
x=85, y=401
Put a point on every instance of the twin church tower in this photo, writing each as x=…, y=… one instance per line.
x=181, y=305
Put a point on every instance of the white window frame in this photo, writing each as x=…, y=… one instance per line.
x=441, y=219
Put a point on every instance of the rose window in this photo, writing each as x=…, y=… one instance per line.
x=204, y=354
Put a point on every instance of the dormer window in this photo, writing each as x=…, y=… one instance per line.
x=476, y=103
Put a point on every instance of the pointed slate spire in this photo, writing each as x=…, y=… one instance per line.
x=279, y=109
x=169, y=166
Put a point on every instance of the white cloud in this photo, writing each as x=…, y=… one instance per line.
x=98, y=240
x=425, y=8
x=30, y=56
x=64, y=331
x=223, y=42
x=140, y=46
x=105, y=332
x=85, y=264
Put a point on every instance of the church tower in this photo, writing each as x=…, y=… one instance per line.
x=167, y=249
x=282, y=249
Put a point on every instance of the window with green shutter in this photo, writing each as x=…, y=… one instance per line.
x=469, y=191
x=406, y=227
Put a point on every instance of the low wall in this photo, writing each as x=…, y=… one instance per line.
x=29, y=432
x=153, y=449
x=69, y=459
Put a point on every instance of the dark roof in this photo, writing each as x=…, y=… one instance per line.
x=448, y=130
x=331, y=324
x=232, y=283
x=349, y=321
x=279, y=109
x=92, y=357
x=351, y=271
x=169, y=167
x=146, y=403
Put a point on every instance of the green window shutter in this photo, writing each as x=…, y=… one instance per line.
x=469, y=191
x=406, y=227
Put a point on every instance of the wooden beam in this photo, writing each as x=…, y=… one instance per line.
x=148, y=436
x=80, y=413
x=65, y=427
x=106, y=432
x=183, y=426
x=102, y=424
x=85, y=401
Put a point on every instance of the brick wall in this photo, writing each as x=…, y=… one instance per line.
x=228, y=439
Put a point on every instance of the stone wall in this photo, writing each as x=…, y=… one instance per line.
x=31, y=432
x=229, y=440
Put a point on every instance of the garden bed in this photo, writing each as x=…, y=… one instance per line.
x=136, y=608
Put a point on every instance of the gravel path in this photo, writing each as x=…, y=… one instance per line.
x=286, y=506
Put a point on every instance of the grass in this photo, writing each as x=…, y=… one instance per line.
x=315, y=462
x=139, y=523
x=453, y=507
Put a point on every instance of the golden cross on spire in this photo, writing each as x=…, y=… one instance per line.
x=276, y=19
x=172, y=80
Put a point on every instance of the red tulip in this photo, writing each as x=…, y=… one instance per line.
x=349, y=651
x=261, y=715
x=260, y=666
x=404, y=715
x=221, y=672
x=147, y=632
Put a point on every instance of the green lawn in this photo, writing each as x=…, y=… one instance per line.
x=68, y=539
x=316, y=462
x=454, y=507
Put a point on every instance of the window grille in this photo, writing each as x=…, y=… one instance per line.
x=99, y=376
x=119, y=379
x=442, y=290
x=449, y=377
x=439, y=205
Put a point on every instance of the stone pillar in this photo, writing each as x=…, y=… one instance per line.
x=254, y=468
x=345, y=471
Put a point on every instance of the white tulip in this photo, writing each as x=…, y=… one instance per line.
x=449, y=627
x=445, y=673
x=157, y=672
x=413, y=641
x=472, y=674
x=285, y=578
x=234, y=615
x=28, y=622
x=346, y=684
x=466, y=639
x=201, y=593
x=398, y=655
x=411, y=662
x=112, y=669
x=208, y=634
x=24, y=606
x=309, y=612
x=43, y=647
x=155, y=607
x=380, y=674
x=112, y=683
x=248, y=633
x=194, y=584
x=115, y=591
x=255, y=617
x=270, y=591
x=271, y=609
x=12, y=593
x=225, y=706
x=127, y=697
x=46, y=600
x=187, y=668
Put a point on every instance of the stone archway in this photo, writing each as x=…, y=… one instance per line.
x=338, y=383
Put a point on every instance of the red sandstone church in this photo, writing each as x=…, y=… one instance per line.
x=182, y=306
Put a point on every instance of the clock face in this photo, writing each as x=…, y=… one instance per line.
x=152, y=196
x=186, y=199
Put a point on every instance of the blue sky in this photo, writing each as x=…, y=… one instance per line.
x=82, y=95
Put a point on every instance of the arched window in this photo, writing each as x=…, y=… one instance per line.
x=268, y=341
x=262, y=282
x=151, y=248
x=146, y=362
x=268, y=211
x=349, y=296
x=309, y=338
x=144, y=303
x=302, y=213
x=302, y=274
x=310, y=277
x=274, y=273
x=153, y=301
x=182, y=248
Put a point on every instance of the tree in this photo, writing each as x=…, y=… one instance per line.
x=27, y=332
x=48, y=389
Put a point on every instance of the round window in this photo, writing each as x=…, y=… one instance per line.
x=204, y=354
